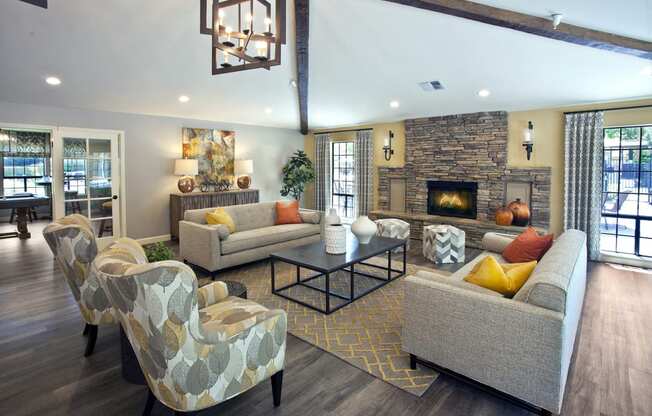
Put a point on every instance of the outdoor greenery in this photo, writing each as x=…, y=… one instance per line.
x=158, y=252
x=297, y=173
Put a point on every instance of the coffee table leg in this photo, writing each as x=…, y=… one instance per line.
x=273, y=276
x=404, y=258
x=389, y=264
x=352, y=283
x=298, y=274
x=328, y=293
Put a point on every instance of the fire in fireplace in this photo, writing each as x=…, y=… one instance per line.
x=453, y=199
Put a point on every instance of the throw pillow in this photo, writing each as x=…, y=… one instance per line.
x=287, y=212
x=220, y=216
x=310, y=217
x=505, y=279
x=528, y=246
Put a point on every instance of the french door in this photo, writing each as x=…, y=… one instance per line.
x=86, y=178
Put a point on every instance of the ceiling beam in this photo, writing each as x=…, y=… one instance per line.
x=301, y=14
x=39, y=3
x=535, y=25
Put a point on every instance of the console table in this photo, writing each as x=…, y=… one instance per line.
x=180, y=203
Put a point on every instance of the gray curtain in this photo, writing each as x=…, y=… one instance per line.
x=364, y=171
x=322, y=172
x=583, y=176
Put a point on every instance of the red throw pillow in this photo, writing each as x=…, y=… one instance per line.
x=287, y=213
x=528, y=246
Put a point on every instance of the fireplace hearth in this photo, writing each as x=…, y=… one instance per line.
x=453, y=199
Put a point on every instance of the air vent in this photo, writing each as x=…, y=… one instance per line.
x=431, y=85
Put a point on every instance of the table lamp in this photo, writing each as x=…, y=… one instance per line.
x=244, y=168
x=187, y=169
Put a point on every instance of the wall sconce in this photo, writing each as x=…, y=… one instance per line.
x=387, y=147
x=528, y=139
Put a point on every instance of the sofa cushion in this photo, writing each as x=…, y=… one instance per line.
x=310, y=217
x=434, y=277
x=549, y=282
x=506, y=279
x=250, y=239
x=252, y=216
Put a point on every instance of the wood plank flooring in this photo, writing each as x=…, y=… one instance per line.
x=43, y=371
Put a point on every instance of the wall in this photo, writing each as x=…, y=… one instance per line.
x=380, y=132
x=152, y=144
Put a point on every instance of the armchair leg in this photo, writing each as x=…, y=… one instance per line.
x=277, y=386
x=151, y=399
x=85, y=329
x=413, y=361
x=92, y=337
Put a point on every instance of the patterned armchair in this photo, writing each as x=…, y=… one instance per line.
x=73, y=244
x=196, y=347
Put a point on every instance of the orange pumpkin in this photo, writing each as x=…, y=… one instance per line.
x=520, y=211
x=504, y=216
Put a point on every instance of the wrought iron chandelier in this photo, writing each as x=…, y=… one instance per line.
x=247, y=34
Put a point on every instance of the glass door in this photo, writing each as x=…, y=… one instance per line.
x=87, y=178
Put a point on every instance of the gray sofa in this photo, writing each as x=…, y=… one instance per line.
x=520, y=346
x=213, y=248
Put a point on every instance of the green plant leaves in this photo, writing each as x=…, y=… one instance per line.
x=297, y=173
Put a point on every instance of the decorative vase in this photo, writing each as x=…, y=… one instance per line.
x=520, y=211
x=363, y=228
x=335, y=239
x=504, y=216
x=332, y=218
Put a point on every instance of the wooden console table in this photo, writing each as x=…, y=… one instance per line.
x=180, y=203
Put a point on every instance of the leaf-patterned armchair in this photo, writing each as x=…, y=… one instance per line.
x=73, y=244
x=196, y=347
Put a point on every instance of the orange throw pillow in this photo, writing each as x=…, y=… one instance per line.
x=528, y=246
x=287, y=213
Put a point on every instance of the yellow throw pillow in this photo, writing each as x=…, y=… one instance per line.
x=505, y=279
x=220, y=216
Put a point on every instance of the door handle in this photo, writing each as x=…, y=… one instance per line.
x=115, y=196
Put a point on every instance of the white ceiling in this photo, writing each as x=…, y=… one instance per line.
x=139, y=56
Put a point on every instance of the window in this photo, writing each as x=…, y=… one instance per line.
x=20, y=174
x=626, y=223
x=343, y=170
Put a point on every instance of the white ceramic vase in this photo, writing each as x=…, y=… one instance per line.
x=332, y=217
x=364, y=229
x=335, y=239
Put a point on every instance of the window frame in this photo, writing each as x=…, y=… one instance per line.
x=24, y=178
x=347, y=197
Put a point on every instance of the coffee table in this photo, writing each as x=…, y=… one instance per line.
x=314, y=257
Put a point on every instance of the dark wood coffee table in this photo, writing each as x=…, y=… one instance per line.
x=314, y=257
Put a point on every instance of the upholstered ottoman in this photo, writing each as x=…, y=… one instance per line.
x=443, y=244
x=394, y=228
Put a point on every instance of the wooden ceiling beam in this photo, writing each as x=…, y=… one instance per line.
x=302, y=18
x=535, y=25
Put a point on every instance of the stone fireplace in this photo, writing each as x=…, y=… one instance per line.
x=453, y=199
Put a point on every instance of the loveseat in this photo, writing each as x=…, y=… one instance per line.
x=520, y=346
x=256, y=236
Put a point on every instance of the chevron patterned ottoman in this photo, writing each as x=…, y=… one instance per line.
x=394, y=228
x=443, y=244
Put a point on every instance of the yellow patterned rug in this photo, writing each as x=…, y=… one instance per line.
x=366, y=333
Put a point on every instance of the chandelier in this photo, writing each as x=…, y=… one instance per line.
x=247, y=34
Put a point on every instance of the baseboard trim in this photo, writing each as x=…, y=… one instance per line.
x=625, y=259
x=154, y=239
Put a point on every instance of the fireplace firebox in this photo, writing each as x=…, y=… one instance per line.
x=453, y=199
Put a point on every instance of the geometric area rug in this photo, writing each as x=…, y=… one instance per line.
x=365, y=334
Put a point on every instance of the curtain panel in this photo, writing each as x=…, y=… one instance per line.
x=322, y=172
x=583, y=176
x=364, y=171
x=24, y=143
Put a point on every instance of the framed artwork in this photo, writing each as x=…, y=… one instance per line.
x=214, y=151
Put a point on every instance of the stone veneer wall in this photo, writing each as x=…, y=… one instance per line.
x=464, y=147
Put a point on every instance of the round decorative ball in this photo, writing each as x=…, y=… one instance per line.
x=244, y=182
x=520, y=211
x=186, y=184
x=504, y=216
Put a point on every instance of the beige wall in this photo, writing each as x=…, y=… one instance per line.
x=548, y=147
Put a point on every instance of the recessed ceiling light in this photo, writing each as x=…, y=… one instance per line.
x=268, y=110
x=484, y=93
x=53, y=81
x=394, y=104
x=184, y=98
x=647, y=71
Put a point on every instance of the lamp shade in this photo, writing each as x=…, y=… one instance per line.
x=244, y=167
x=186, y=167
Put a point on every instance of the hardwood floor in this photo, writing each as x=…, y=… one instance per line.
x=44, y=372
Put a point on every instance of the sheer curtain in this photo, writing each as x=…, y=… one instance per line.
x=322, y=172
x=583, y=176
x=364, y=171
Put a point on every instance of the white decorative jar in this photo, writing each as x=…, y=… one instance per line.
x=335, y=236
x=332, y=217
x=364, y=229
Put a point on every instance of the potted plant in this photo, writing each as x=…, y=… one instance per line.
x=297, y=173
x=158, y=252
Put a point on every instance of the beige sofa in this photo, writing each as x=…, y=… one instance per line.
x=213, y=248
x=520, y=346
